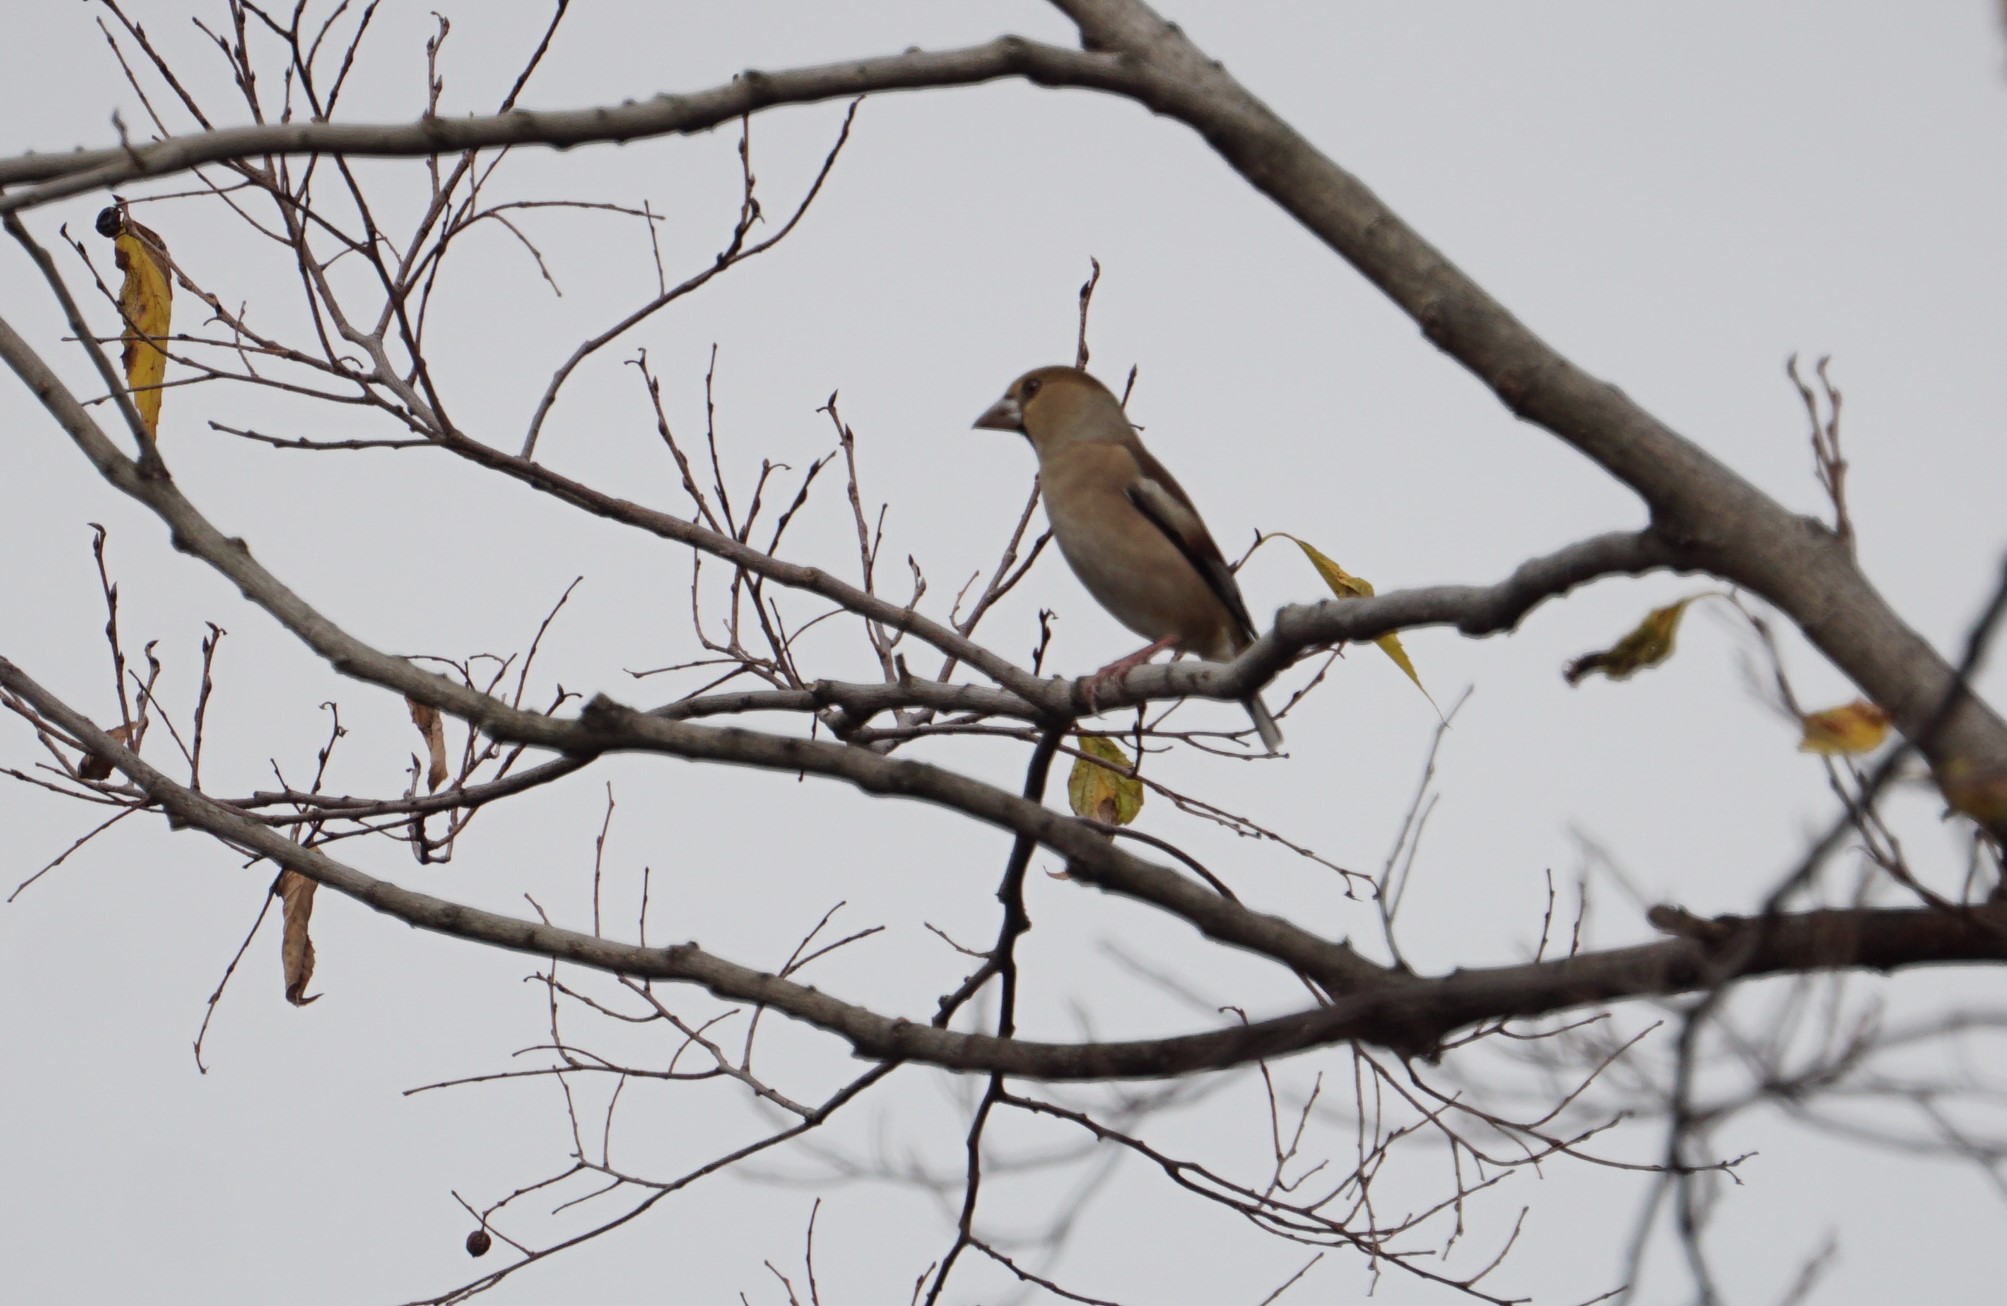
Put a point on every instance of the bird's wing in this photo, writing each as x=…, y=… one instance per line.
x=1167, y=507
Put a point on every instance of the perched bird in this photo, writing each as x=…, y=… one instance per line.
x=1127, y=529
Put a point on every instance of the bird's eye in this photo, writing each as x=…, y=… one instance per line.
x=1031, y=387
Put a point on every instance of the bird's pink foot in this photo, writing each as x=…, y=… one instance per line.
x=1113, y=673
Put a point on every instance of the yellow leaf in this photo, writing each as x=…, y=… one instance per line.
x=1343, y=583
x=145, y=304
x=1347, y=586
x=296, y=950
x=1857, y=727
x=426, y=718
x=1101, y=787
x=1981, y=795
x=1647, y=646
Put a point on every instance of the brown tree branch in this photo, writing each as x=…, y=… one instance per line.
x=1715, y=519
x=615, y=727
x=1408, y=1013
x=1718, y=521
x=62, y=175
x=1703, y=517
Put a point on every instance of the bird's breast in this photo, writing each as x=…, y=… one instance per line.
x=1128, y=564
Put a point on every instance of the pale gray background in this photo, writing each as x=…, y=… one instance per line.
x=1677, y=196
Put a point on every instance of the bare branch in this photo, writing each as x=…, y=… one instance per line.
x=74, y=173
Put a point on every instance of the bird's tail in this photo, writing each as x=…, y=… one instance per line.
x=1264, y=723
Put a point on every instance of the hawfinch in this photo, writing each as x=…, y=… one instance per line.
x=1127, y=529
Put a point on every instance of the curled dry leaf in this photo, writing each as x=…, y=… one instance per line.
x=1102, y=786
x=145, y=304
x=296, y=950
x=1347, y=586
x=427, y=719
x=1647, y=646
x=94, y=767
x=1857, y=727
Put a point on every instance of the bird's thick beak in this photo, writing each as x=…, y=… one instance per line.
x=1003, y=415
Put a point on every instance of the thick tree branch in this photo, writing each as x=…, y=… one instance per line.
x=1703, y=517
x=1720, y=521
x=607, y=726
x=1472, y=609
x=62, y=175
x=1410, y=1014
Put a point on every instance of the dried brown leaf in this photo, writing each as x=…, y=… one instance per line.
x=94, y=767
x=296, y=950
x=427, y=719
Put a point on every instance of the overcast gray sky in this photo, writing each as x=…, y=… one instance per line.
x=1679, y=197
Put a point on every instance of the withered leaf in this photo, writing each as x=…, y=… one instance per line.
x=1856, y=727
x=296, y=950
x=1648, y=645
x=93, y=767
x=427, y=719
x=1347, y=586
x=146, y=307
x=1100, y=792
x=1979, y=794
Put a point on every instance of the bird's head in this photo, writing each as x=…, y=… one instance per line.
x=1053, y=405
